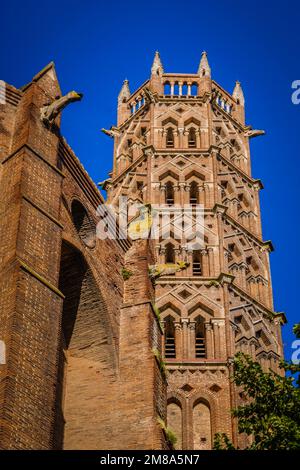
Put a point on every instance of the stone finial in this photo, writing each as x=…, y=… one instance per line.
x=204, y=68
x=157, y=67
x=238, y=94
x=125, y=92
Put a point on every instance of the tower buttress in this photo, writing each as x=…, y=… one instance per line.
x=156, y=74
x=238, y=95
x=123, y=108
x=204, y=71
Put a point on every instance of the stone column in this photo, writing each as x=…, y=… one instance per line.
x=187, y=190
x=162, y=194
x=209, y=340
x=216, y=328
x=178, y=340
x=211, y=262
x=177, y=259
x=207, y=202
x=201, y=195
x=192, y=340
x=185, y=322
x=177, y=194
x=190, y=261
x=182, y=193
x=180, y=88
x=205, y=265
x=180, y=137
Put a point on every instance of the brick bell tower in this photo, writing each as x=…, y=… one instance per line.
x=182, y=139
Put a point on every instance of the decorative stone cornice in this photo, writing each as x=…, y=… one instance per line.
x=226, y=278
x=220, y=209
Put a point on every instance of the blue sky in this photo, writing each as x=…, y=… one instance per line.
x=96, y=45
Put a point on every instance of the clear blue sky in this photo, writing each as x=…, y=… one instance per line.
x=96, y=44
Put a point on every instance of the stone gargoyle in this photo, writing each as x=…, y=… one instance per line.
x=112, y=132
x=50, y=112
x=167, y=269
x=254, y=133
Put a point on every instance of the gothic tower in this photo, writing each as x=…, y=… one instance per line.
x=181, y=139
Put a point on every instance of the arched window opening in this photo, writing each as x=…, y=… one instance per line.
x=194, y=194
x=194, y=90
x=200, y=348
x=170, y=347
x=197, y=268
x=170, y=138
x=167, y=88
x=170, y=253
x=169, y=193
x=192, y=140
x=184, y=89
x=202, y=426
x=174, y=420
x=176, y=89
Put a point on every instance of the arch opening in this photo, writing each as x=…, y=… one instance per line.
x=174, y=419
x=86, y=355
x=202, y=434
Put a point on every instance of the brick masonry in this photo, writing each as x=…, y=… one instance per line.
x=82, y=344
x=65, y=383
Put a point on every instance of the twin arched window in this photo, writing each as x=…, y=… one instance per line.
x=198, y=350
x=192, y=138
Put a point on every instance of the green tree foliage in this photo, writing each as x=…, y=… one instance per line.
x=271, y=412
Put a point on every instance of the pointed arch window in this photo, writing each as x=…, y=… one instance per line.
x=169, y=193
x=200, y=346
x=170, y=253
x=194, y=194
x=192, y=141
x=170, y=138
x=197, y=265
x=170, y=346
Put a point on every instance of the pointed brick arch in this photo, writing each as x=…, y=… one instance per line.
x=87, y=352
x=206, y=398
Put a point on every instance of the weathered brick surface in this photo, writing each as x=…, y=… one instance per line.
x=81, y=370
x=66, y=380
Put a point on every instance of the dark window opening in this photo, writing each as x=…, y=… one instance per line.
x=192, y=142
x=194, y=197
x=170, y=347
x=170, y=138
x=169, y=193
x=197, y=268
x=170, y=253
x=200, y=349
